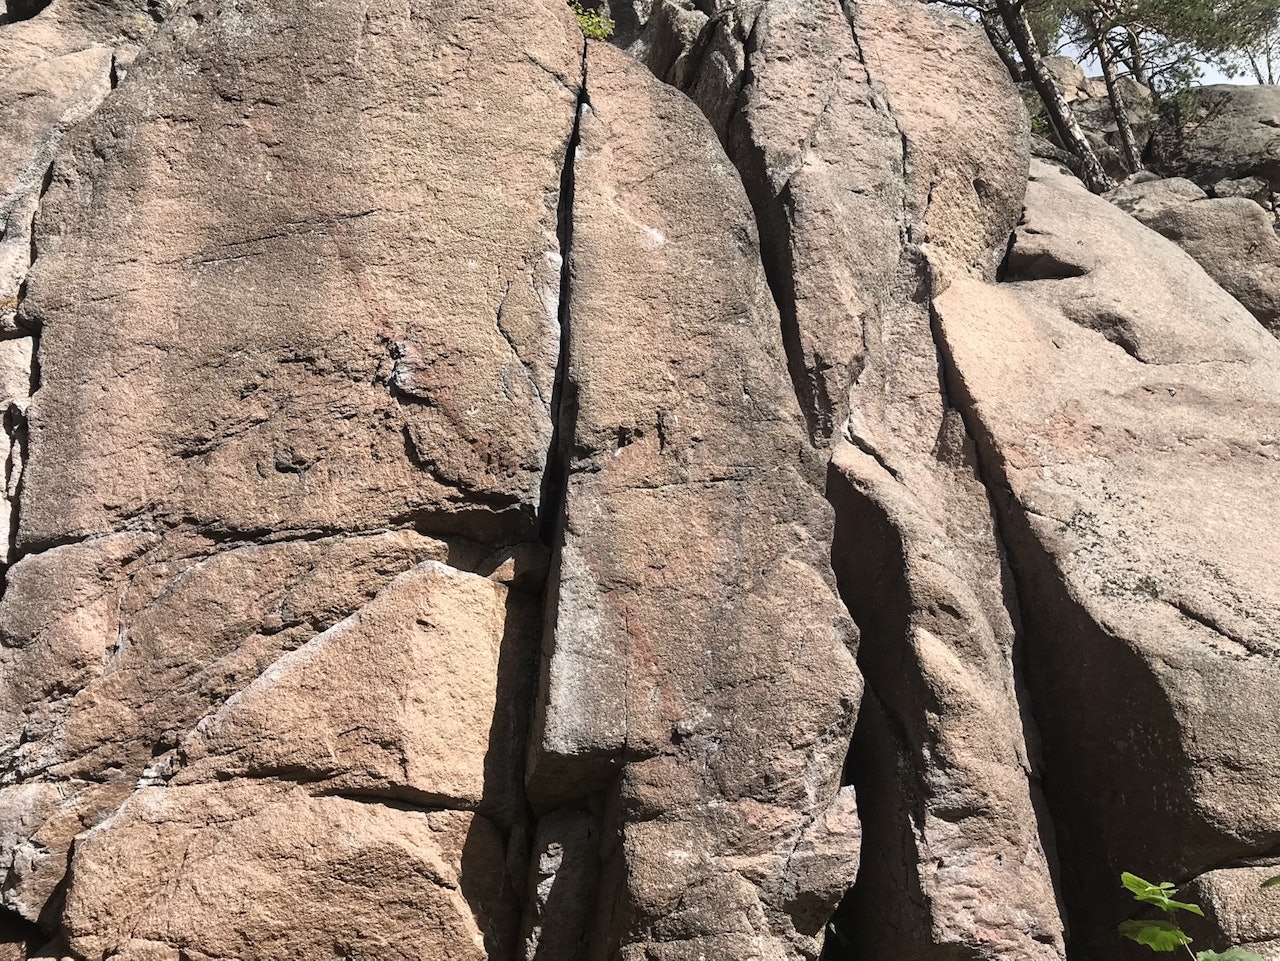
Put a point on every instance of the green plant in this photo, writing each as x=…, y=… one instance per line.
x=1165, y=934
x=595, y=25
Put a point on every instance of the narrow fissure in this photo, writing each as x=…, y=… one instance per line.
x=564, y=849
x=773, y=224
x=868, y=558
x=564, y=392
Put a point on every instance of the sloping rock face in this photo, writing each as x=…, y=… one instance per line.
x=1232, y=238
x=1151, y=649
x=477, y=494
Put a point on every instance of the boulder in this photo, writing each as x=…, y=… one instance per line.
x=1232, y=238
x=1235, y=241
x=1147, y=198
x=1110, y=392
x=1226, y=132
x=1254, y=188
x=1068, y=75
x=244, y=869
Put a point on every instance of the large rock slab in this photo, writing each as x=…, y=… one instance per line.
x=698, y=662
x=421, y=695
x=1126, y=411
x=353, y=324
x=296, y=288
x=113, y=652
x=244, y=870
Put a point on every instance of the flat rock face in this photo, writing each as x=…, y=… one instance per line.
x=474, y=493
x=299, y=381
x=406, y=698
x=248, y=412
x=237, y=870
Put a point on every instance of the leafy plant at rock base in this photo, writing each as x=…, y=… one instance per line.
x=595, y=25
x=1166, y=934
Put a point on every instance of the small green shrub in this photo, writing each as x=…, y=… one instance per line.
x=595, y=25
x=1166, y=934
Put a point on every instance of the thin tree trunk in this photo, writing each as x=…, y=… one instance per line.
x=1256, y=63
x=1106, y=56
x=1001, y=45
x=1073, y=138
x=1137, y=63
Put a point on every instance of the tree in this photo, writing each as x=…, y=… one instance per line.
x=1160, y=44
x=1014, y=22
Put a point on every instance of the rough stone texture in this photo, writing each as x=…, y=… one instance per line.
x=225, y=871
x=112, y=651
x=808, y=97
x=418, y=425
x=1111, y=393
x=854, y=154
x=1229, y=132
x=279, y=372
x=408, y=698
x=339, y=399
x=55, y=69
x=1235, y=241
x=698, y=662
x=1146, y=199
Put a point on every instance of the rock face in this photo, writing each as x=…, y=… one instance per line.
x=1228, y=132
x=1151, y=654
x=1234, y=240
x=698, y=662
x=475, y=493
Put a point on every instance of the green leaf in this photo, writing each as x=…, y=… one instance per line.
x=1231, y=954
x=1156, y=894
x=1157, y=935
x=1272, y=882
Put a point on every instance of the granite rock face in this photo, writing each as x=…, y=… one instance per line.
x=1232, y=238
x=1227, y=132
x=474, y=493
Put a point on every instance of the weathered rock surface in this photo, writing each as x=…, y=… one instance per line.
x=224, y=871
x=447, y=461
x=408, y=698
x=1235, y=241
x=1106, y=409
x=832, y=99
x=238, y=428
x=698, y=661
x=1228, y=132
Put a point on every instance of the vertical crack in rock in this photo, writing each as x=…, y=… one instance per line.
x=692, y=576
x=418, y=694
x=564, y=394
x=564, y=846
x=928, y=808
x=19, y=380
x=773, y=215
x=1029, y=569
